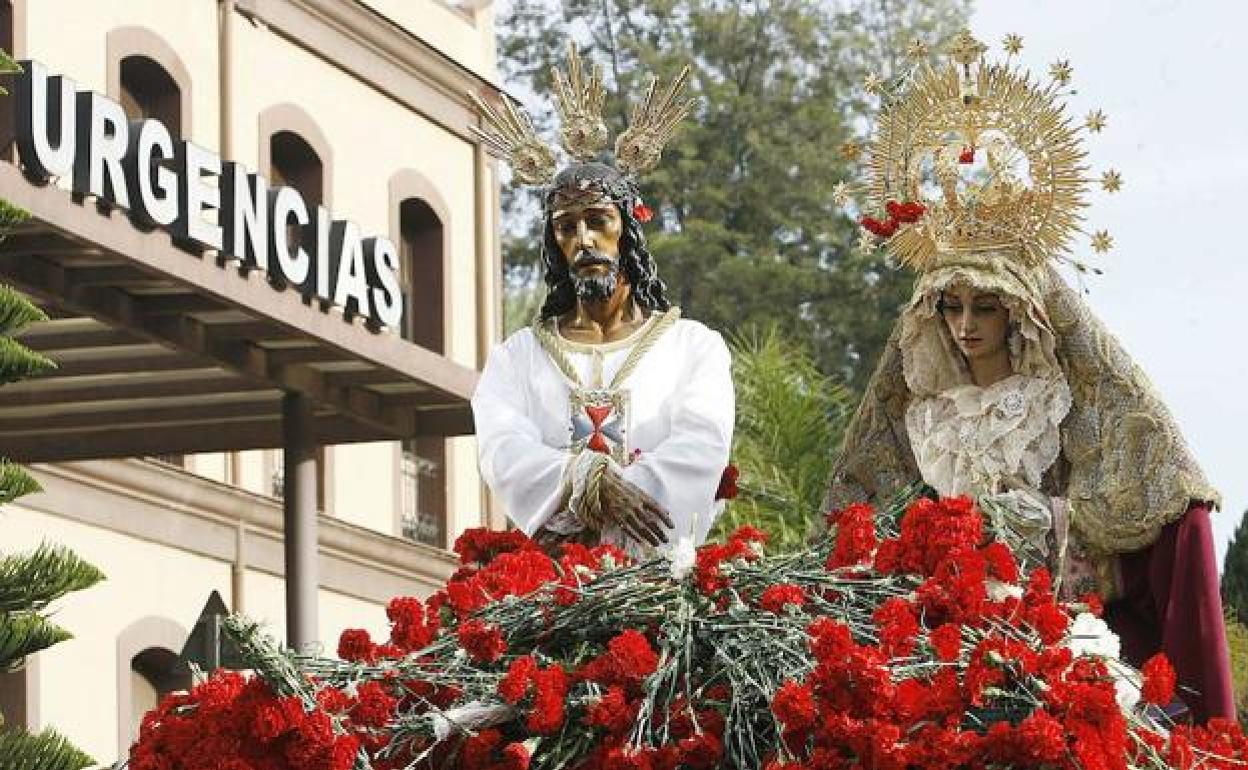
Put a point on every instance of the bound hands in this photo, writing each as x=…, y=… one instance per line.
x=626, y=506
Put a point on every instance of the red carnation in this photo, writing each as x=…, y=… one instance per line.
x=883, y=229
x=612, y=711
x=515, y=685
x=550, y=687
x=794, y=705
x=482, y=641
x=898, y=626
x=516, y=757
x=354, y=644
x=633, y=655
x=642, y=212
x=776, y=598
x=374, y=705
x=1159, y=680
x=727, y=489
x=947, y=641
x=905, y=213
x=855, y=537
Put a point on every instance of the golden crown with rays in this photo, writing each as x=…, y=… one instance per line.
x=509, y=133
x=975, y=156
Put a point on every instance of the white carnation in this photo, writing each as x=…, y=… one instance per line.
x=682, y=556
x=1089, y=635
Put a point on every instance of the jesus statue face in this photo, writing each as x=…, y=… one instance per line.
x=977, y=321
x=589, y=235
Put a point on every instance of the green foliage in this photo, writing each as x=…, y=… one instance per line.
x=1235, y=573
x=1237, y=643
x=29, y=582
x=789, y=417
x=46, y=751
x=746, y=231
x=7, y=67
x=15, y=482
x=25, y=633
x=32, y=581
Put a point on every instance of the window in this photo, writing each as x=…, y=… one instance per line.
x=423, y=463
x=294, y=163
x=148, y=91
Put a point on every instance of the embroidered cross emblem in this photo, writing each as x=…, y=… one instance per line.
x=599, y=422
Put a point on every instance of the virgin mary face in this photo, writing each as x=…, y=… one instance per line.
x=977, y=321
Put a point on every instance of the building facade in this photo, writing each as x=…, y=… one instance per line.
x=360, y=106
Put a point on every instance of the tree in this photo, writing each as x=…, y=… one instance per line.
x=30, y=582
x=1235, y=573
x=746, y=230
x=788, y=416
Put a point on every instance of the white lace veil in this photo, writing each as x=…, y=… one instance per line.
x=1129, y=470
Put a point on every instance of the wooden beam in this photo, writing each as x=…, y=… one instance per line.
x=50, y=336
x=75, y=390
x=146, y=415
x=104, y=443
x=123, y=364
x=175, y=304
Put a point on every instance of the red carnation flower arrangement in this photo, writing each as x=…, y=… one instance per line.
x=880, y=645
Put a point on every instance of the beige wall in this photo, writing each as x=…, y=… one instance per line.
x=69, y=36
x=465, y=36
x=368, y=144
x=166, y=538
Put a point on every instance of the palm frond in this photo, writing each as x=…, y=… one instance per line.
x=47, y=750
x=789, y=421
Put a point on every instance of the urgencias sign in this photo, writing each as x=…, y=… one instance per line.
x=137, y=165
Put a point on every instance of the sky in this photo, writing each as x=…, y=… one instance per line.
x=1168, y=74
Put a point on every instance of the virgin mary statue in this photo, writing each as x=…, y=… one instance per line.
x=998, y=381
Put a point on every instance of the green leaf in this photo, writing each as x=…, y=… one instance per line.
x=18, y=362
x=25, y=633
x=7, y=67
x=789, y=418
x=10, y=216
x=47, y=750
x=15, y=482
x=32, y=581
x=16, y=311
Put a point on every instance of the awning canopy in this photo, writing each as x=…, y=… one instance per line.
x=162, y=351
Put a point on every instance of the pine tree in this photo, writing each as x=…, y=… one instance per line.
x=30, y=582
x=1235, y=573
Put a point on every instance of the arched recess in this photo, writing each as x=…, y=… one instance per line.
x=136, y=44
x=146, y=650
x=292, y=119
x=420, y=225
x=294, y=152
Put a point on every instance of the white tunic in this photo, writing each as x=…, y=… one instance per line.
x=680, y=418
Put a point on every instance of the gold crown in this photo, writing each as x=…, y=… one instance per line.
x=975, y=156
x=509, y=133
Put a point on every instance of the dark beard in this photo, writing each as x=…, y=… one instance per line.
x=597, y=287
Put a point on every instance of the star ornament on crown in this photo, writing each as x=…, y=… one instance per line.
x=974, y=156
x=509, y=133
